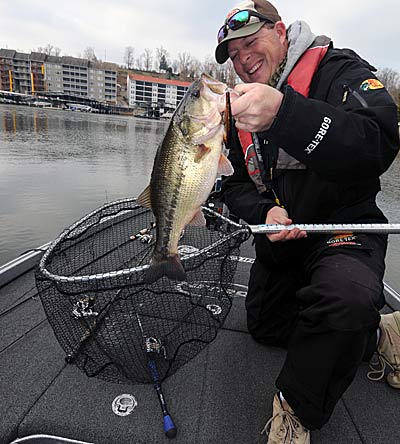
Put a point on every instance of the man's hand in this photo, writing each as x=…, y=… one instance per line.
x=256, y=107
x=278, y=215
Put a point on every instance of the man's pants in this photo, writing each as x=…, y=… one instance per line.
x=324, y=309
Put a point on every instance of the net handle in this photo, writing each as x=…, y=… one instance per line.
x=327, y=228
x=315, y=228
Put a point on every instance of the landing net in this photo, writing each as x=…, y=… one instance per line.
x=107, y=320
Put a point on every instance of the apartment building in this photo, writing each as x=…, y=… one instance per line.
x=54, y=74
x=6, y=69
x=155, y=91
x=15, y=72
x=74, y=76
x=36, y=72
x=102, y=81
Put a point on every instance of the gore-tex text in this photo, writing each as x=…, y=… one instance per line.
x=320, y=135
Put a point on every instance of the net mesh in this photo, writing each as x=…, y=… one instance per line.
x=108, y=321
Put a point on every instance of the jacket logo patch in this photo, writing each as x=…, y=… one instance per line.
x=343, y=239
x=320, y=135
x=371, y=84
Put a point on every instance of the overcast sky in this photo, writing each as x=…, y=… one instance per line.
x=370, y=27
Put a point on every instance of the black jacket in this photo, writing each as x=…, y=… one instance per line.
x=343, y=164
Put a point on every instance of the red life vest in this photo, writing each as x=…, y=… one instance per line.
x=300, y=80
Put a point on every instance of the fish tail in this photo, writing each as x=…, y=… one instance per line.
x=169, y=266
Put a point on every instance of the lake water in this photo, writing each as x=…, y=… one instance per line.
x=56, y=166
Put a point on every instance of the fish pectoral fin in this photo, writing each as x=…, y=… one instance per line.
x=144, y=198
x=198, y=219
x=201, y=152
x=225, y=167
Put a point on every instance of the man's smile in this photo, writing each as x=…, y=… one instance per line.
x=254, y=68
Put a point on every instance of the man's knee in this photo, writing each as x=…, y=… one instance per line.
x=346, y=297
x=274, y=332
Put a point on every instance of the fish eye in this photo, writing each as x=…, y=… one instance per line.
x=196, y=93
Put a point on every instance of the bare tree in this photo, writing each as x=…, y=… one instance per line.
x=49, y=50
x=162, y=57
x=147, y=59
x=231, y=77
x=391, y=79
x=195, y=68
x=129, y=57
x=210, y=66
x=189, y=68
x=226, y=73
x=175, y=66
x=184, y=65
x=139, y=62
x=89, y=54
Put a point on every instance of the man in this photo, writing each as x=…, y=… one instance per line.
x=315, y=130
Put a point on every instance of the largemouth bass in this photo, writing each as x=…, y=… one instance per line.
x=186, y=165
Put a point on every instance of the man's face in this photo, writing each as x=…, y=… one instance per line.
x=257, y=56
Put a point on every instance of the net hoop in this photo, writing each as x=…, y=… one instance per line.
x=240, y=231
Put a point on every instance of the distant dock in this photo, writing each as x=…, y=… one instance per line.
x=63, y=101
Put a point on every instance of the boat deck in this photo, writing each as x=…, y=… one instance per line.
x=222, y=396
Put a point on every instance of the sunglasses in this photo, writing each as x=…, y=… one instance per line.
x=238, y=20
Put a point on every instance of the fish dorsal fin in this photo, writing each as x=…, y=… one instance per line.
x=202, y=150
x=198, y=219
x=144, y=198
x=225, y=167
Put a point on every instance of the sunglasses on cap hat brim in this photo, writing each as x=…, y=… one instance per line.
x=238, y=20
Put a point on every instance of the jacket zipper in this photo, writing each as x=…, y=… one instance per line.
x=347, y=90
x=270, y=163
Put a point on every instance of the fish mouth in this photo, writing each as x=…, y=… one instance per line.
x=215, y=118
x=212, y=91
x=220, y=93
x=198, y=139
x=214, y=85
x=210, y=125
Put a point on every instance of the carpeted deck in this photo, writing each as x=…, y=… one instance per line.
x=222, y=396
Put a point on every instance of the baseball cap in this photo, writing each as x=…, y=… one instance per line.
x=253, y=25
